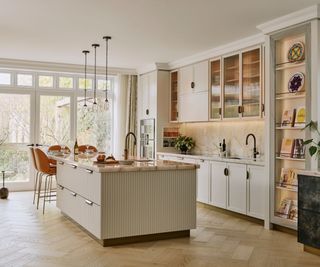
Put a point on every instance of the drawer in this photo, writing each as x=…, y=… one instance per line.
x=82, y=181
x=91, y=217
x=67, y=202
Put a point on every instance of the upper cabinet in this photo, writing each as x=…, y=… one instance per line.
x=174, y=96
x=148, y=95
x=193, y=92
x=215, y=90
x=231, y=92
x=242, y=85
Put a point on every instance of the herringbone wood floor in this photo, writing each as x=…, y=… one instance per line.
x=30, y=239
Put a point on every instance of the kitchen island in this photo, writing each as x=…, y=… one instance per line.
x=118, y=204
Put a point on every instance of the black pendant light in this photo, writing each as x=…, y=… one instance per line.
x=106, y=101
x=85, y=52
x=95, y=105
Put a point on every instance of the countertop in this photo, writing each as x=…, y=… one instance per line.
x=154, y=165
x=249, y=161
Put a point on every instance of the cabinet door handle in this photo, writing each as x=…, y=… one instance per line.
x=177, y=114
x=248, y=175
x=240, y=109
x=61, y=187
x=201, y=160
x=192, y=85
x=226, y=171
x=61, y=162
x=220, y=111
x=73, y=194
x=89, y=171
x=73, y=166
x=147, y=111
x=181, y=158
x=88, y=202
x=262, y=107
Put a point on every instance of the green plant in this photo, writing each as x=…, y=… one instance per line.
x=184, y=143
x=314, y=149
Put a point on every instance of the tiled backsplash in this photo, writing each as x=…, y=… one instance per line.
x=209, y=135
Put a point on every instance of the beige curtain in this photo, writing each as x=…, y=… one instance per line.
x=132, y=112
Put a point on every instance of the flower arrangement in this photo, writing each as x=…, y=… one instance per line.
x=314, y=149
x=184, y=143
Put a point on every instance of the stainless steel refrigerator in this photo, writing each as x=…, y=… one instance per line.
x=147, y=139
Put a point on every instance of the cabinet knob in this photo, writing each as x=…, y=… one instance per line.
x=192, y=85
x=226, y=171
x=147, y=111
x=73, y=194
x=220, y=111
x=240, y=109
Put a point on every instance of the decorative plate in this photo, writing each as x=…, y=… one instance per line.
x=296, y=52
x=296, y=82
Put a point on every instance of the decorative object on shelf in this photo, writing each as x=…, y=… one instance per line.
x=4, y=192
x=169, y=136
x=300, y=117
x=298, y=149
x=284, y=208
x=287, y=147
x=296, y=82
x=95, y=105
x=85, y=52
x=184, y=143
x=314, y=148
x=296, y=52
x=106, y=101
x=287, y=118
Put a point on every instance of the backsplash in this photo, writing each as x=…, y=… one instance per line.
x=208, y=136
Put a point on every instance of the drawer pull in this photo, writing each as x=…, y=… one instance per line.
x=181, y=158
x=248, y=175
x=90, y=203
x=73, y=194
x=73, y=166
x=61, y=162
x=201, y=160
x=61, y=187
x=226, y=171
x=89, y=171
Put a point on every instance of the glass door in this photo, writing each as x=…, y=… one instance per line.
x=251, y=84
x=215, y=96
x=232, y=107
x=15, y=134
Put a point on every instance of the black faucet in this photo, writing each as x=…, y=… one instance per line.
x=255, y=152
x=127, y=144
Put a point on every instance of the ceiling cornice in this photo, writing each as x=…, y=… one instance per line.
x=58, y=67
x=303, y=15
x=153, y=67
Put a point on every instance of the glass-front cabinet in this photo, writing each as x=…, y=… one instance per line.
x=215, y=91
x=231, y=92
x=174, y=96
x=251, y=83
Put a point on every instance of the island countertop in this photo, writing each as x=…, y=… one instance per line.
x=153, y=165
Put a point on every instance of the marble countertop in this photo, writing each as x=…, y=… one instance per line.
x=153, y=165
x=213, y=157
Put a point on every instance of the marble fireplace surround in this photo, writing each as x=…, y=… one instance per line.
x=208, y=135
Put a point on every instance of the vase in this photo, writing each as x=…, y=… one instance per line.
x=183, y=149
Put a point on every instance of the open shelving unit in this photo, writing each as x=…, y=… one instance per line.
x=285, y=194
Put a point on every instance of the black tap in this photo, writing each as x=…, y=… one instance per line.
x=127, y=143
x=255, y=152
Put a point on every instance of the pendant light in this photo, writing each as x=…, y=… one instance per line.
x=95, y=104
x=106, y=101
x=85, y=52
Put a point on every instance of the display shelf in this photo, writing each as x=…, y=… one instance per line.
x=285, y=222
x=288, y=96
x=288, y=158
x=289, y=65
x=289, y=128
x=287, y=188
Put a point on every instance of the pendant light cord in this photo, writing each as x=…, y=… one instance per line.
x=85, y=76
x=95, y=74
x=107, y=38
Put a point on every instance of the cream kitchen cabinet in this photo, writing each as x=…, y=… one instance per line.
x=193, y=92
x=237, y=187
x=219, y=184
x=147, y=95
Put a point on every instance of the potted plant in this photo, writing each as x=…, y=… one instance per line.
x=184, y=143
x=314, y=148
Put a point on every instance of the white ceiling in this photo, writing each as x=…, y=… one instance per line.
x=143, y=31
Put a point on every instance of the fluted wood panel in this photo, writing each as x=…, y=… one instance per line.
x=138, y=203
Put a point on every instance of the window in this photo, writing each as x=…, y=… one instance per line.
x=5, y=78
x=102, y=84
x=45, y=81
x=66, y=82
x=82, y=83
x=25, y=80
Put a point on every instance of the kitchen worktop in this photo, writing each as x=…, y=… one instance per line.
x=153, y=165
x=214, y=157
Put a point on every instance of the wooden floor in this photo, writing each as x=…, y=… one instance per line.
x=30, y=239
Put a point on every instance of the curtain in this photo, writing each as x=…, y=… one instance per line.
x=131, y=125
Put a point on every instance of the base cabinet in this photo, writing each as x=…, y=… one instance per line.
x=203, y=181
x=219, y=184
x=237, y=187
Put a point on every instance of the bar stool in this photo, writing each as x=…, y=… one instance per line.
x=47, y=171
x=38, y=174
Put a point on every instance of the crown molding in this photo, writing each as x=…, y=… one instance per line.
x=153, y=67
x=303, y=15
x=58, y=67
x=218, y=51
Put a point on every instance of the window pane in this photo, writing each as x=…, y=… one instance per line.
x=82, y=83
x=5, y=78
x=94, y=128
x=66, y=82
x=102, y=84
x=55, y=120
x=14, y=134
x=45, y=81
x=24, y=79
